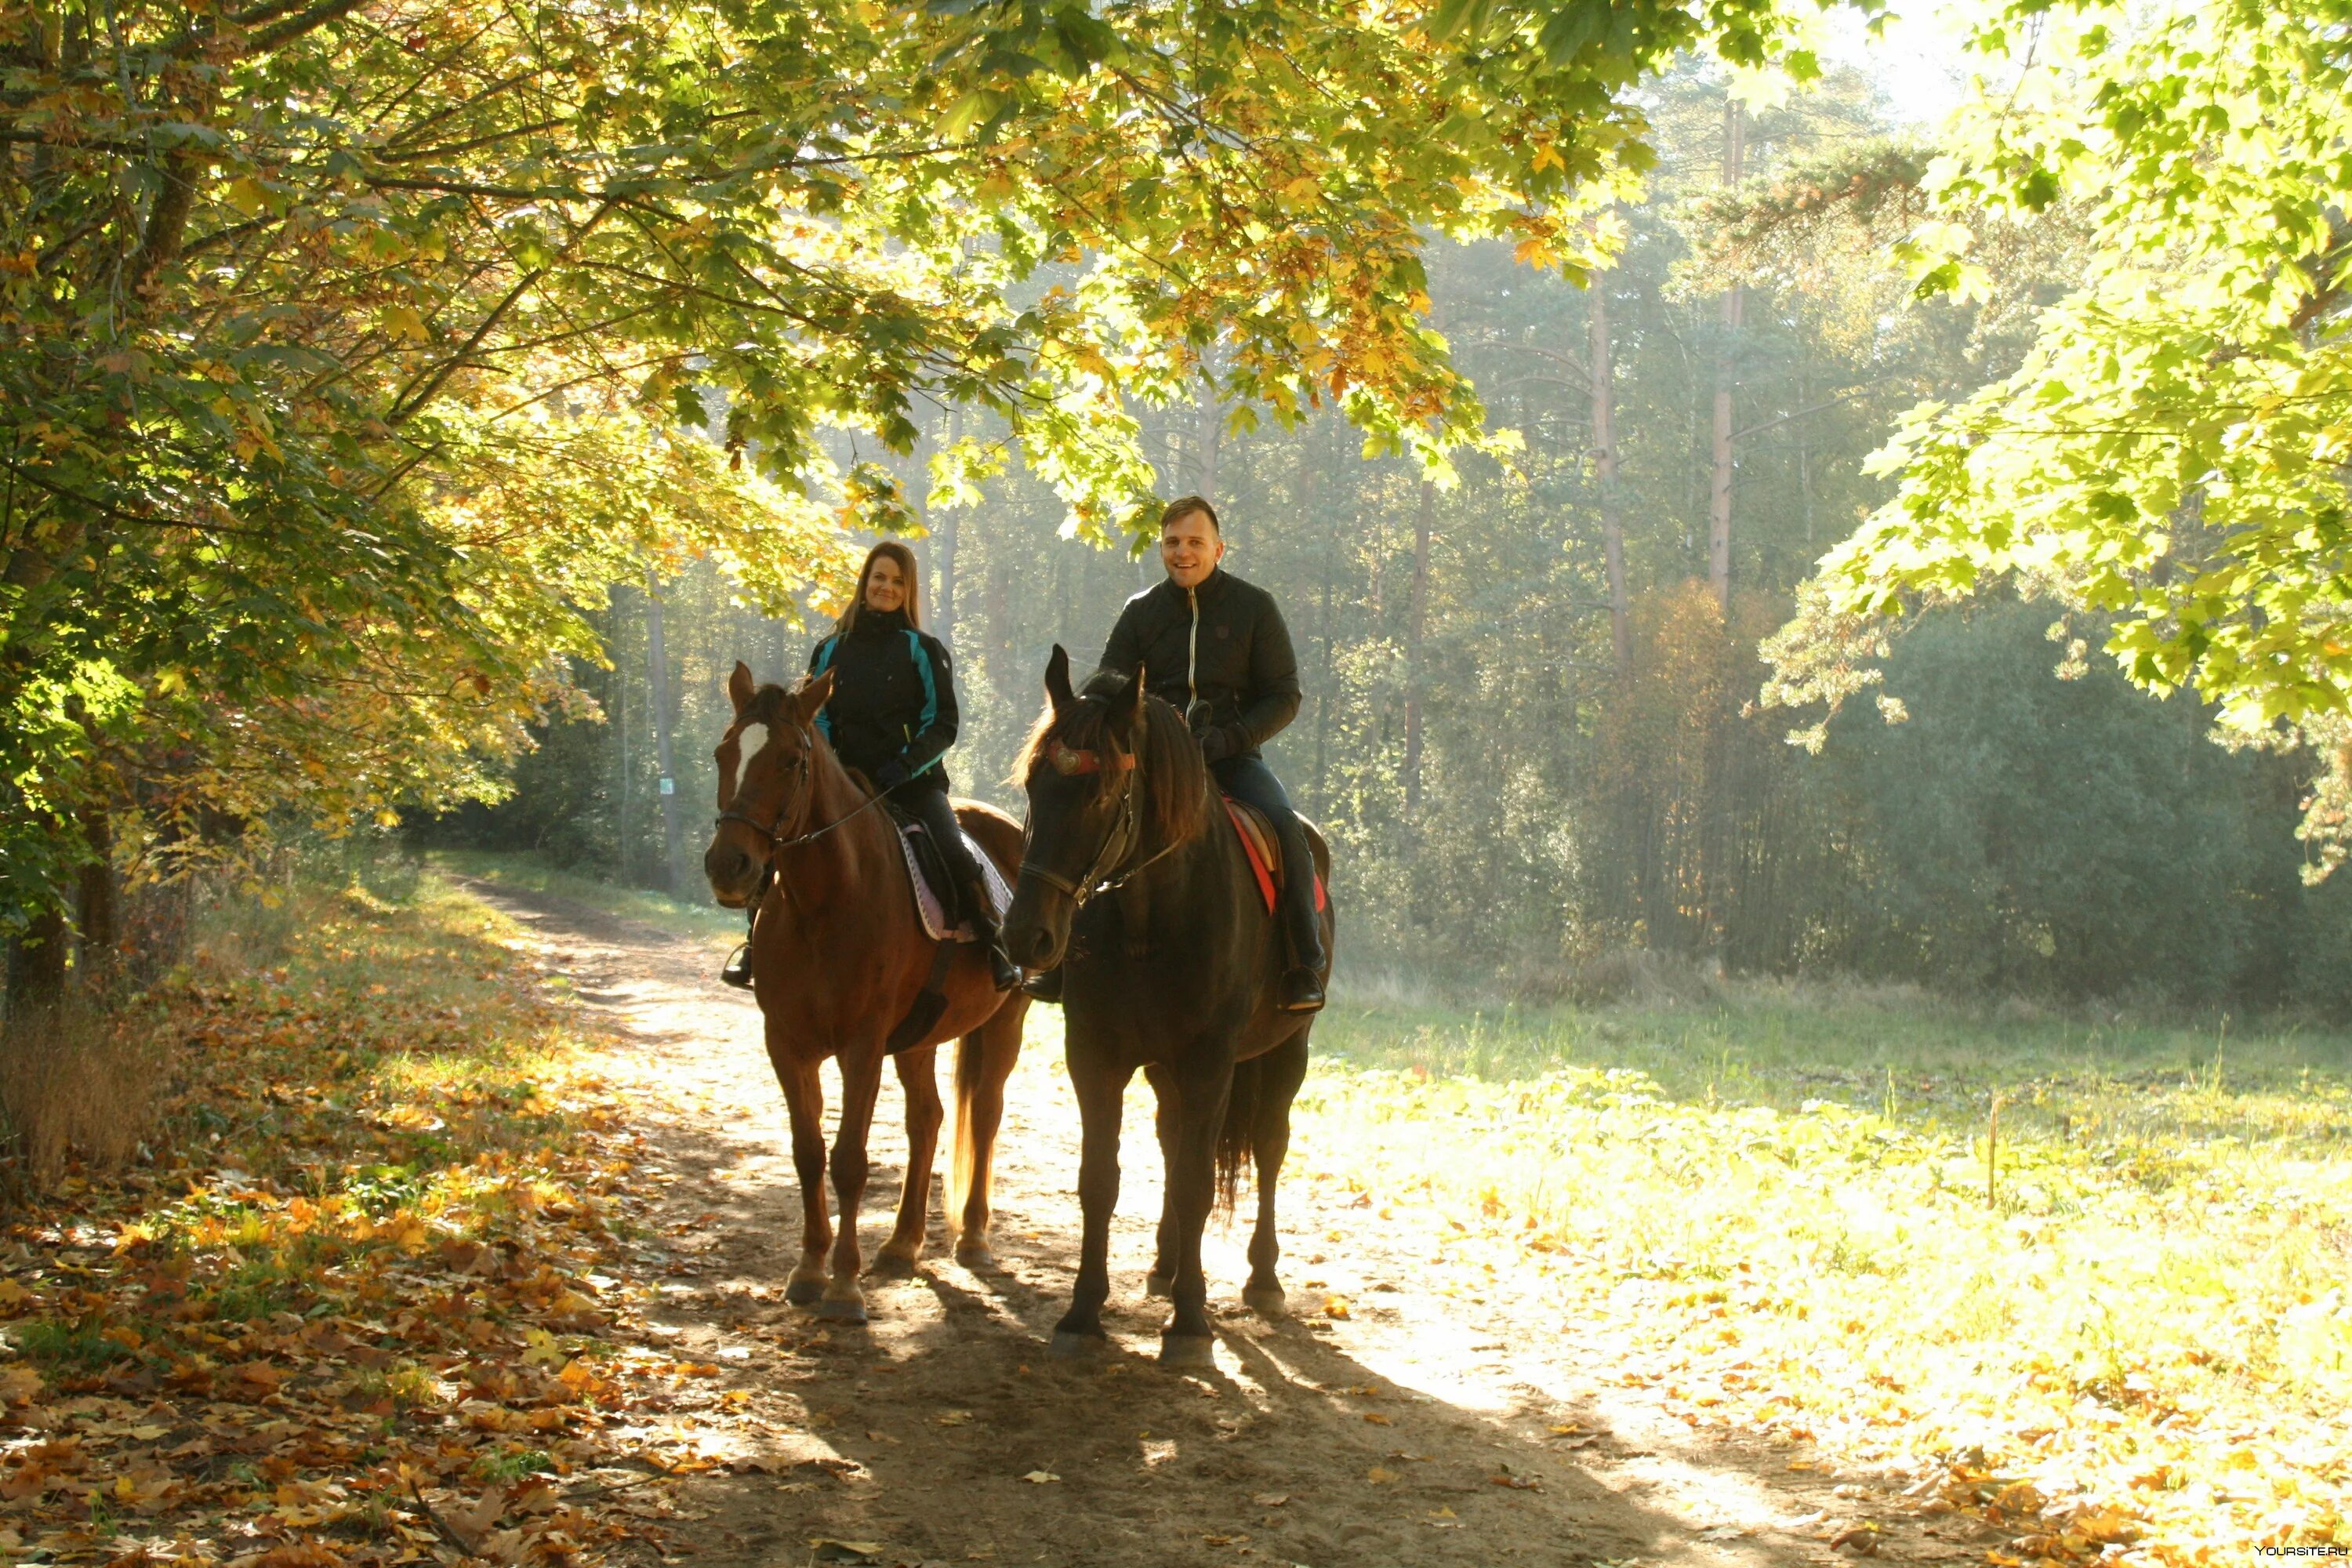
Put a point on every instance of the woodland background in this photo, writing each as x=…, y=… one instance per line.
x=1537, y=785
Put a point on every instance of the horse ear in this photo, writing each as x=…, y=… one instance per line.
x=741, y=687
x=1127, y=711
x=814, y=694
x=1058, y=680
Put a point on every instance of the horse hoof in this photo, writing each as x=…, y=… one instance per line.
x=1189, y=1352
x=892, y=1266
x=979, y=1259
x=1266, y=1300
x=803, y=1292
x=842, y=1312
x=1158, y=1284
x=1068, y=1346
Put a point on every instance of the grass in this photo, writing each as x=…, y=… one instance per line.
x=2137, y=1342
x=535, y=873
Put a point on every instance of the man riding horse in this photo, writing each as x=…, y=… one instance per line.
x=1215, y=648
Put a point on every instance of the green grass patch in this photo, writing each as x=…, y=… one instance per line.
x=2128, y=1298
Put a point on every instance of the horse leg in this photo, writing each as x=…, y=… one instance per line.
x=1100, y=1087
x=1201, y=1085
x=861, y=1085
x=805, y=1100
x=984, y=1061
x=1162, y=1278
x=1283, y=1071
x=918, y=1076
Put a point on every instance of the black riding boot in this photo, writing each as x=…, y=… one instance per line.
x=737, y=969
x=1001, y=967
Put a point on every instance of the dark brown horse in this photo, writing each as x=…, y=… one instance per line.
x=1177, y=974
x=839, y=959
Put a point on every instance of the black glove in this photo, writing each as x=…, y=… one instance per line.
x=891, y=775
x=1217, y=744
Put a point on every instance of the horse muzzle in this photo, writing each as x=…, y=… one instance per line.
x=1036, y=929
x=733, y=873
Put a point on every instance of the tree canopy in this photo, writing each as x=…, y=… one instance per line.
x=2171, y=454
x=350, y=350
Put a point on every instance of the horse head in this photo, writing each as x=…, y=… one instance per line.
x=1108, y=773
x=767, y=761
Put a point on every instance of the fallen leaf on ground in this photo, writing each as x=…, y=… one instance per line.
x=1271, y=1500
x=1040, y=1478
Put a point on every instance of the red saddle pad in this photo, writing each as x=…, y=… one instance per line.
x=1264, y=873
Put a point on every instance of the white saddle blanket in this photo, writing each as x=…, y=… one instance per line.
x=932, y=907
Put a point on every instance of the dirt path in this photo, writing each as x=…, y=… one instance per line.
x=1449, y=1419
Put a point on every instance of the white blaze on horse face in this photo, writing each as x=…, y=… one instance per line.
x=748, y=739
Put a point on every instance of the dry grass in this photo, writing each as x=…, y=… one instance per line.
x=76, y=1086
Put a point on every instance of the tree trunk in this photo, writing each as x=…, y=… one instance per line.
x=1718, y=508
x=619, y=686
x=943, y=590
x=37, y=965
x=99, y=905
x=1208, y=432
x=657, y=690
x=1323, y=612
x=1605, y=472
x=1416, y=621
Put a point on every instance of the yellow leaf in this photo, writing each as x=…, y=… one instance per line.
x=1039, y=1477
x=1380, y=1475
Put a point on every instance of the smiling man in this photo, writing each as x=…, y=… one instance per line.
x=1215, y=647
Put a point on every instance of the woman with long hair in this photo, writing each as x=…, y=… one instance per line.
x=892, y=717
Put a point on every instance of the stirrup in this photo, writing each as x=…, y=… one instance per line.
x=1045, y=985
x=1302, y=991
x=737, y=969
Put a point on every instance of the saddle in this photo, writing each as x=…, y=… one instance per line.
x=1264, y=852
x=944, y=919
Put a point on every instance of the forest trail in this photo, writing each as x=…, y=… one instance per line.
x=1399, y=1425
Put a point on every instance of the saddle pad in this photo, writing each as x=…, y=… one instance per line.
x=929, y=902
x=1265, y=851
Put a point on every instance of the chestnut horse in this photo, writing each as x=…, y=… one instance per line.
x=838, y=959
x=1178, y=974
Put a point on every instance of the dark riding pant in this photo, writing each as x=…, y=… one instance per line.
x=1250, y=782
x=926, y=798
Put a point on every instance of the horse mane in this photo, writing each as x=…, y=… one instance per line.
x=1174, y=778
x=767, y=704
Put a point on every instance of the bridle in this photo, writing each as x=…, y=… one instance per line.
x=795, y=801
x=1124, y=838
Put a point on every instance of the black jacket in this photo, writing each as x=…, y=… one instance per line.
x=1238, y=660
x=893, y=696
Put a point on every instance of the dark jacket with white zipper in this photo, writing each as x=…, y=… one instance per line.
x=1223, y=643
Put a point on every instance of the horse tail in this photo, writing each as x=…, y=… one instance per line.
x=964, y=1152
x=1237, y=1140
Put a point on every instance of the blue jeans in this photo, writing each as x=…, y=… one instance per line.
x=1250, y=782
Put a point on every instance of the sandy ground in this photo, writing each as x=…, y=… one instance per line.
x=1443, y=1421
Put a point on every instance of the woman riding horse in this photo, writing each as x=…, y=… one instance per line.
x=892, y=717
